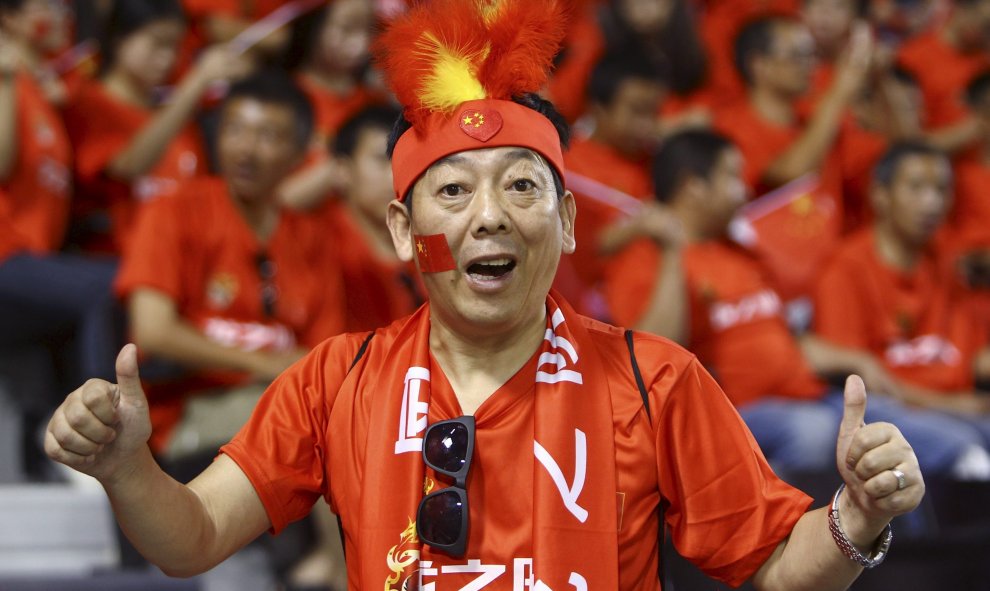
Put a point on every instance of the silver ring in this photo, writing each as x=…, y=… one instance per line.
x=901, y=480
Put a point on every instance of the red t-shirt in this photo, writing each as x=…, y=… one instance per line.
x=918, y=323
x=726, y=509
x=736, y=318
x=100, y=127
x=969, y=221
x=35, y=197
x=942, y=72
x=196, y=248
x=608, y=168
x=378, y=290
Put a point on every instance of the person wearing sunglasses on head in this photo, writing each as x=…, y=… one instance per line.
x=495, y=439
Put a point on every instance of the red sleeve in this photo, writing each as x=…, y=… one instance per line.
x=154, y=256
x=281, y=448
x=726, y=509
x=630, y=280
x=840, y=315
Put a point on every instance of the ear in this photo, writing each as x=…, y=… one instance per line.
x=567, y=209
x=400, y=227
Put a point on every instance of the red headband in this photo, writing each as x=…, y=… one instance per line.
x=474, y=125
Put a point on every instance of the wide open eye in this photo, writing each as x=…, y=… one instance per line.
x=452, y=190
x=523, y=185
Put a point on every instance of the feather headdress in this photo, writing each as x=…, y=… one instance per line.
x=445, y=52
x=470, y=58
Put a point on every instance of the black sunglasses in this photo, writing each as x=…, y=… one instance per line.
x=442, y=519
x=269, y=292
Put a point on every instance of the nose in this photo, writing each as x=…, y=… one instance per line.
x=489, y=212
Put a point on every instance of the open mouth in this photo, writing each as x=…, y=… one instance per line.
x=492, y=269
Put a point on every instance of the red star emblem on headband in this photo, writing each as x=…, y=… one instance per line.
x=481, y=124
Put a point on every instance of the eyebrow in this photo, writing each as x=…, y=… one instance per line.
x=519, y=154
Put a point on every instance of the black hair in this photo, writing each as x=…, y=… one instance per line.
x=676, y=51
x=530, y=100
x=273, y=86
x=685, y=155
x=11, y=5
x=886, y=168
x=380, y=116
x=128, y=16
x=755, y=39
x=977, y=88
x=614, y=69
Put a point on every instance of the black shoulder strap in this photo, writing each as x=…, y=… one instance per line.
x=639, y=376
x=661, y=529
x=360, y=354
x=361, y=351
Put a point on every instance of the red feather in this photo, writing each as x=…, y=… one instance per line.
x=459, y=26
x=524, y=38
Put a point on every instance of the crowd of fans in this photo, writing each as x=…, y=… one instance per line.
x=794, y=190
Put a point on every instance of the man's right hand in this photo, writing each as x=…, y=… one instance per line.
x=101, y=427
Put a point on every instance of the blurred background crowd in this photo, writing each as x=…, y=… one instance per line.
x=794, y=190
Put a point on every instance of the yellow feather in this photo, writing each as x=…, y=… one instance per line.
x=453, y=79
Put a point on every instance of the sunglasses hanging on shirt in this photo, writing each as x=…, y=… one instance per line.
x=442, y=518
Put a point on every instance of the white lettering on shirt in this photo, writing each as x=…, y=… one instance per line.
x=924, y=350
x=556, y=359
x=412, y=417
x=569, y=494
x=522, y=575
x=760, y=305
x=249, y=336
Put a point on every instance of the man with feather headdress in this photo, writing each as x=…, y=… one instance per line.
x=495, y=439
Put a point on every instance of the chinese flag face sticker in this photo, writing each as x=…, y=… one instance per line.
x=433, y=253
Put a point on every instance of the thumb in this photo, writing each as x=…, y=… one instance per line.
x=128, y=380
x=853, y=407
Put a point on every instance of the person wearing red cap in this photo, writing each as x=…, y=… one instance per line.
x=563, y=437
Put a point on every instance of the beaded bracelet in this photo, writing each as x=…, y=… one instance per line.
x=845, y=544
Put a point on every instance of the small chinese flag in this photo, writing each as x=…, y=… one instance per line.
x=434, y=253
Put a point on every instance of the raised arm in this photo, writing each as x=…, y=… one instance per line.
x=148, y=146
x=8, y=110
x=867, y=456
x=102, y=429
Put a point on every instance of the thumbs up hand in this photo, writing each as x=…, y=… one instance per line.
x=879, y=467
x=101, y=426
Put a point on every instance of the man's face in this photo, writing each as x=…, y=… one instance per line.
x=43, y=24
x=257, y=146
x=346, y=35
x=506, y=228
x=829, y=22
x=918, y=198
x=629, y=122
x=371, y=174
x=150, y=53
x=790, y=63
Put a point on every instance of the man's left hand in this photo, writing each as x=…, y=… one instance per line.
x=869, y=459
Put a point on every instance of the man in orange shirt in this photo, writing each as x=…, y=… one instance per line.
x=379, y=288
x=907, y=309
x=223, y=282
x=687, y=281
x=561, y=452
x=625, y=96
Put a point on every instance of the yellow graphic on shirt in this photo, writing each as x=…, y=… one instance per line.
x=401, y=556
